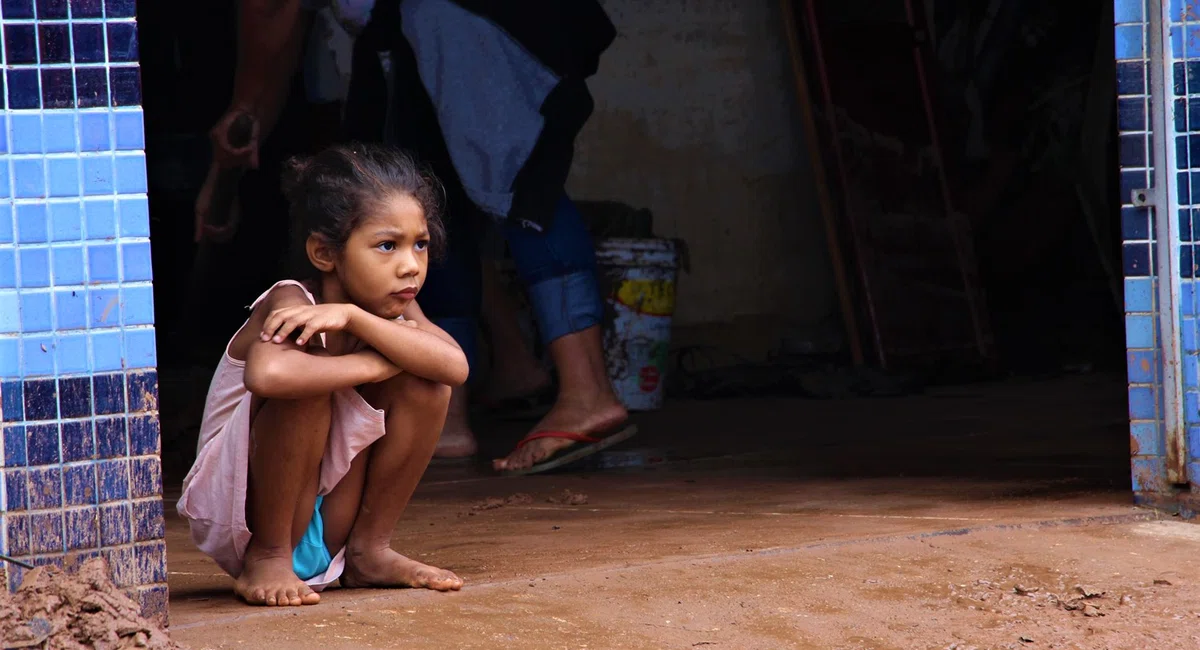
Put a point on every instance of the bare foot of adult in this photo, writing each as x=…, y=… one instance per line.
x=387, y=568
x=594, y=417
x=457, y=440
x=267, y=579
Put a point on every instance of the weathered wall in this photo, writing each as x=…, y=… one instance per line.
x=696, y=119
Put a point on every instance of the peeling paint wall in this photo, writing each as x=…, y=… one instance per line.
x=696, y=119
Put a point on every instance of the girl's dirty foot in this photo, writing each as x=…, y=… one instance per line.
x=387, y=568
x=268, y=580
x=590, y=419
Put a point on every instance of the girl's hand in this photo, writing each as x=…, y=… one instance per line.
x=309, y=320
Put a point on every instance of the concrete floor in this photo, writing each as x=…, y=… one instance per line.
x=902, y=523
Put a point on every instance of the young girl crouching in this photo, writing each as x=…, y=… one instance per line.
x=327, y=404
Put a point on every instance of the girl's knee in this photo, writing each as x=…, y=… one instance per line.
x=411, y=391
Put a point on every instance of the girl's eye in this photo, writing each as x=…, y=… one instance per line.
x=387, y=246
x=422, y=245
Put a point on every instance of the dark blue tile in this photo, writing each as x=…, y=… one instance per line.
x=144, y=435
x=41, y=444
x=20, y=44
x=154, y=599
x=1181, y=153
x=16, y=490
x=1185, y=225
x=92, y=87
x=41, y=400
x=146, y=476
x=14, y=446
x=1131, y=78
x=121, y=563
x=109, y=391
x=143, y=391
x=16, y=9
x=23, y=90
x=53, y=9
x=55, y=40
x=77, y=441
x=75, y=397
x=12, y=401
x=83, y=529
x=58, y=88
x=79, y=484
x=1131, y=181
x=1187, y=265
x=1131, y=112
x=87, y=9
x=116, y=524
x=112, y=478
x=1133, y=151
x=111, y=438
x=17, y=542
x=126, y=86
x=122, y=42
x=45, y=488
x=46, y=533
x=1181, y=115
x=148, y=522
x=120, y=8
x=89, y=42
x=151, y=563
x=1178, y=78
x=1137, y=260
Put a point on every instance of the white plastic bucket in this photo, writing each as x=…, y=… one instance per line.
x=638, y=280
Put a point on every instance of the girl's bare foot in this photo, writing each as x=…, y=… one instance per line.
x=594, y=417
x=387, y=568
x=267, y=579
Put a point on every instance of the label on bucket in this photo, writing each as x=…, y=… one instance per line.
x=651, y=297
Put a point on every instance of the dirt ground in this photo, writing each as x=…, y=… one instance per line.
x=936, y=523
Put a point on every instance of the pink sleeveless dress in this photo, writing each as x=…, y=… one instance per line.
x=214, y=491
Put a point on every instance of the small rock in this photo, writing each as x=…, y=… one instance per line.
x=1126, y=599
x=556, y=528
x=1026, y=639
x=1091, y=611
x=1088, y=592
x=1161, y=582
x=1025, y=591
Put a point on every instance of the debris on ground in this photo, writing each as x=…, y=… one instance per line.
x=492, y=503
x=569, y=498
x=54, y=609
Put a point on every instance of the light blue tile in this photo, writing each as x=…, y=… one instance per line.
x=1142, y=366
x=1130, y=11
x=29, y=181
x=1129, y=41
x=1191, y=408
x=137, y=305
x=31, y=223
x=1190, y=367
x=1188, y=331
x=131, y=174
x=10, y=357
x=106, y=307
x=69, y=268
x=35, y=266
x=66, y=221
x=10, y=312
x=38, y=356
x=62, y=176
x=106, y=351
x=135, y=217
x=5, y=187
x=3, y=137
x=8, y=268
x=72, y=351
x=94, y=132
x=130, y=132
x=139, y=348
x=35, y=312
x=7, y=219
x=70, y=309
x=102, y=263
x=26, y=132
x=58, y=130
x=97, y=175
x=1139, y=332
x=1141, y=403
x=136, y=259
x=1139, y=295
x=1148, y=441
x=101, y=219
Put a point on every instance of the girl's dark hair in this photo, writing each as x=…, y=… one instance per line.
x=329, y=194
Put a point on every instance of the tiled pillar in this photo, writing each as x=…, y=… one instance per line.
x=78, y=389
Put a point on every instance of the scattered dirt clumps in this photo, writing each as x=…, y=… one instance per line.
x=569, y=498
x=59, y=611
x=492, y=503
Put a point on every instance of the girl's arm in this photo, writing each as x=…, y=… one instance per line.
x=287, y=371
x=423, y=348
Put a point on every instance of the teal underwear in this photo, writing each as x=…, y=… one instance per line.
x=311, y=558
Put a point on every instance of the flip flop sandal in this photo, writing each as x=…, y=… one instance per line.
x=572, y=453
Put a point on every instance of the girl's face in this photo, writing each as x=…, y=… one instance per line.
x=384, y=262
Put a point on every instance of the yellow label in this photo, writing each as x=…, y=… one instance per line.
x=650, y=297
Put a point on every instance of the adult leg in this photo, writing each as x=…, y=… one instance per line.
x=515, y=371
x=362, y=511
x=287, y=443
x=559, y=268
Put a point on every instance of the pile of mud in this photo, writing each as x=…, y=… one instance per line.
x=59, y=611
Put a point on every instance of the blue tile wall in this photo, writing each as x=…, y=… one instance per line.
x=80, y=469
